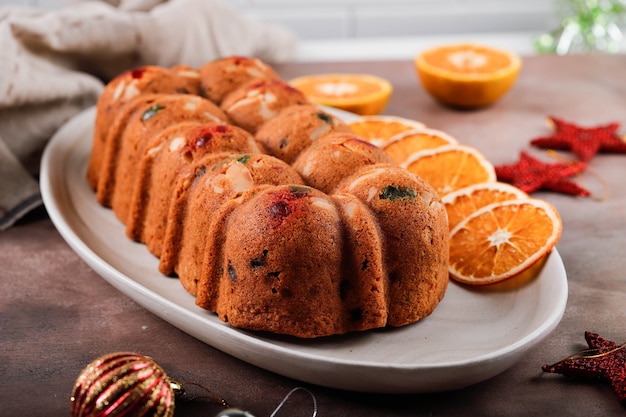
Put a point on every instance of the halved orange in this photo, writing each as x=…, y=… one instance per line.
x=502, y=240
x=467, y=75
x=451, y=167
x=463, y=202
x=362, y=94
x=379, y=129
x=408, y=142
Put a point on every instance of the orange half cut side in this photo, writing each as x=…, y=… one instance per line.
x=467, y=75
x=363, y=94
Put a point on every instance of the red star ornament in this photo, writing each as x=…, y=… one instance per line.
x=584, y=142
x=604, y=360
x=530, y=174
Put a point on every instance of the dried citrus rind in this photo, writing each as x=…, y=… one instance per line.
x=406, y=143
x=451, y=167
x=465, y=201
x=379, y=129
x=502, y=240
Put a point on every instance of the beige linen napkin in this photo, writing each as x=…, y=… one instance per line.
x=53, y=65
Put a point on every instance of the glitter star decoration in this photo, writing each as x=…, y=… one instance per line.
x=530, y=174
x=603, y=360
x=584, y=142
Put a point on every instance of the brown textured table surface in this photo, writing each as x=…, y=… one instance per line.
x=56, y=314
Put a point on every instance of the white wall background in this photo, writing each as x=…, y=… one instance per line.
x=344, y=29
x=323, y=19
x=360, y=29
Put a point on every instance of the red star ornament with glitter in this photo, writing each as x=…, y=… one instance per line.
x=530, y=174
x=604, y=360
x=584, y=142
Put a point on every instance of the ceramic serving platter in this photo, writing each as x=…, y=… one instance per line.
x=474, y=334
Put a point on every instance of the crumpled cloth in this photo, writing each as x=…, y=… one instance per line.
x=54, y=64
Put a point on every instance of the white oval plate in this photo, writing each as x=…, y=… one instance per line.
x=474, y=334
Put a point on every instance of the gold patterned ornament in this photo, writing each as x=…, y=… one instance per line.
x=123, y=383
x=126, y=384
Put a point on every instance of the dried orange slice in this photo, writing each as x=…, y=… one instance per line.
x=404, y=144
x=467, y=75
x=378, y=129
x=463, y=202
x=362, y=94
x=502, y=240
x=451, y=167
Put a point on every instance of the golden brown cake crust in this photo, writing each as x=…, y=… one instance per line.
x=139, y=81
x=215, y=185
x=258, y=101
x=363, y=288
x=166, y=157
x=328, y=236
x=296, y=128
x=145, y=119
x=414, y=224
x=335, y=156
x=273, y=244
x=221, y=76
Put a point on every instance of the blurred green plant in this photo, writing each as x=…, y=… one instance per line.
x=586, y=26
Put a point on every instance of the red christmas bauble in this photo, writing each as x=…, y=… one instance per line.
x=122, y=384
